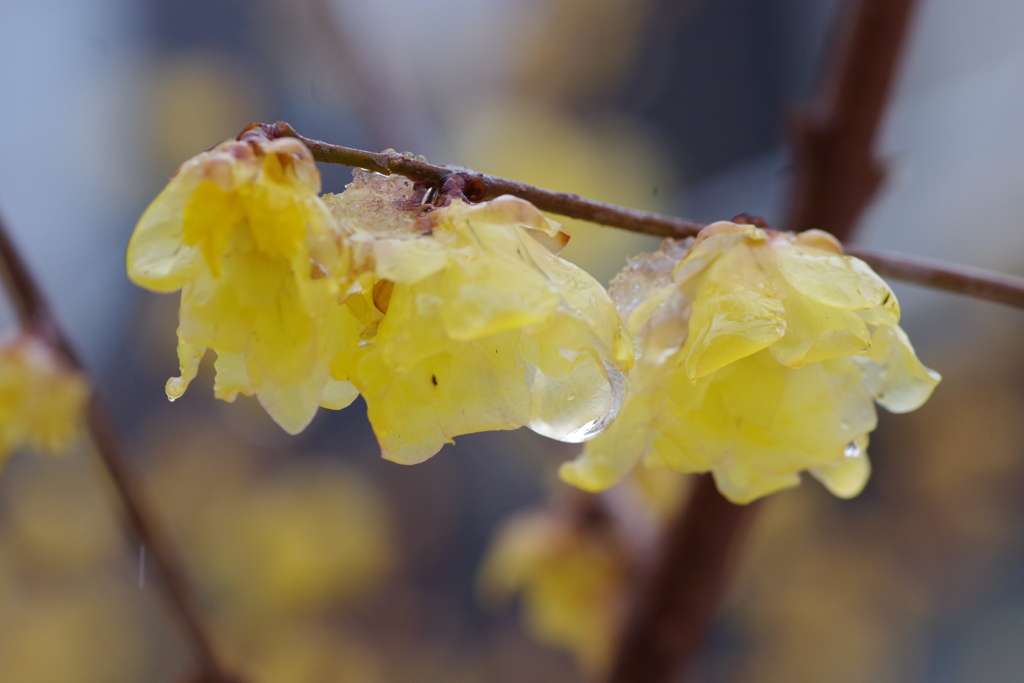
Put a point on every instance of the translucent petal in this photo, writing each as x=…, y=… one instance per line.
x=847, y=476
x=292, y=406
x=607, y=459
x=713, y=241
x=232, y=377
x=816, y=331
x=833, y=279
x=189, y=356
x=894, y=375
x=337, y=395
x=743, y=484
x=482, y=296
x=409, y=260
x=415, y=411
x=157, y=257
x=760, y=417
x=210, y=216
x=736, y=313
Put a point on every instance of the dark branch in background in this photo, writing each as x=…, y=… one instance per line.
x=680, y=599
x=836, y=172
x=836, y=177
x=35, y=317
x=977, y=283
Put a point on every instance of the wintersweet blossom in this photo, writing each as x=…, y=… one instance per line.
x=241, y=232
x=760, y=354
x=479, y=325
x=572, y=576
x=42, y=401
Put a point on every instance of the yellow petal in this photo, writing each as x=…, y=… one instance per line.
x=836, y=280
x=816, y=331
x=846, y=477
x=894, y=375
x=736, y=313
x=158, y=257
x=337, y=395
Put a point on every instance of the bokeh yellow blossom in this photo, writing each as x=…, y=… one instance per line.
x=479, y=325
x=572, y=576
x=760, y=355
x=42, y=401
x=241, y=232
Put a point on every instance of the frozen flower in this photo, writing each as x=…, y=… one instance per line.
x=760, y=356
x=480, y=326
x=42, y=401
x=260, y=265
x=572, y=576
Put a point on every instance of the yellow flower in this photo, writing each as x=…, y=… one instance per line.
x=483, y=326
x=760, y=354
x=572, y=578
x=241, y=231
x=42, y=401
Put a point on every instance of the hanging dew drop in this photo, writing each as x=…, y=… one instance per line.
x=852, y=450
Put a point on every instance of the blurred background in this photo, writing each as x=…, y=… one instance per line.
x=317, y=560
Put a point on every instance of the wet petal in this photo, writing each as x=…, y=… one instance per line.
x=894, y=375
x=736, y=313
x=846, y=477
x=816, y=331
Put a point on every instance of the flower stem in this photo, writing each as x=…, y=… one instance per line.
x=35, y=317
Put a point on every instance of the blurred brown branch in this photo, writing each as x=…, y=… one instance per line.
x=836, y=173
x=835, y=178
x=681, y=597
x=35, y=317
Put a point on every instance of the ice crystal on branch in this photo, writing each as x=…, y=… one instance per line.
x=760, y=358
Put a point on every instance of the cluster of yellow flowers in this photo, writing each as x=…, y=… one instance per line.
x=41, y=400
x=451, y=321
x=758, y=353
x=572, y=576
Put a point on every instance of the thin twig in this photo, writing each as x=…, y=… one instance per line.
x=479, y=187
x=836, y=173
x=35, y=317
x=973, y=282
x=950, y=277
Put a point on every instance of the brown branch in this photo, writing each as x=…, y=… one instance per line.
x=480, y=186
x=836, y=173
x=973, y=282
x=672, y=612
x=836, y=177
x=36, y=318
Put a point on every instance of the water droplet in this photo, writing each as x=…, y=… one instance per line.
x=852, y=450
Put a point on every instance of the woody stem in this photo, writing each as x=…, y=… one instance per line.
x=35, y=316
x=950, y=277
